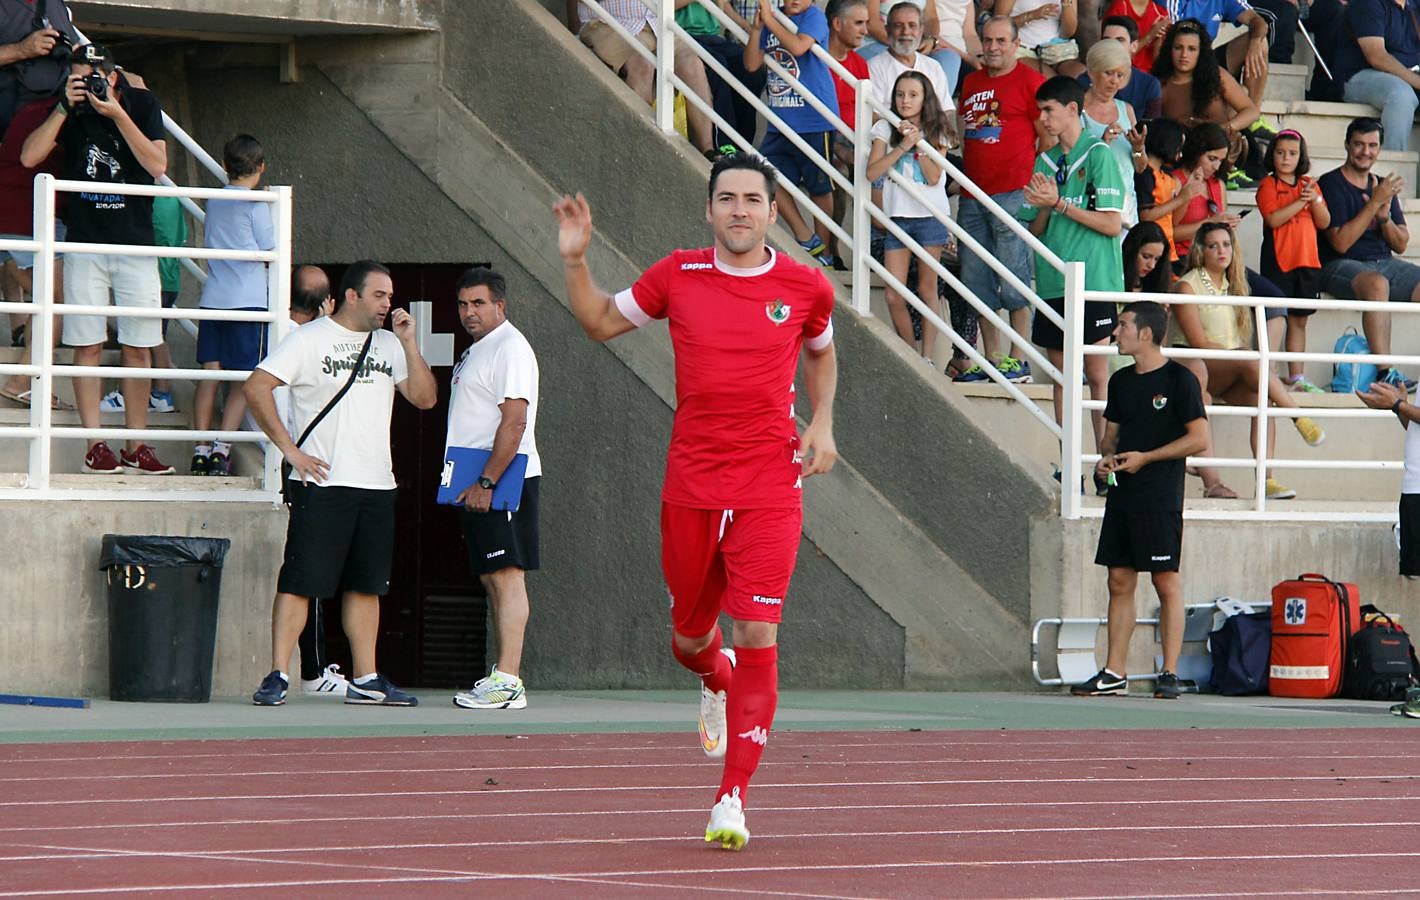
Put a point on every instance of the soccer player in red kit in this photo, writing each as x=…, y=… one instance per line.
x=731, y=509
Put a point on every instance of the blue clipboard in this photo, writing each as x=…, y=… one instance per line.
x=463, y=465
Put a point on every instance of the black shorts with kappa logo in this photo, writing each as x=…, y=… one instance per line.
x=499, y=539
x=338, y=539
x=1144, y=540
x=1099, y=324
x=1410, y=534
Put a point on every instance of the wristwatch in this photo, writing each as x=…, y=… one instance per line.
x=485, y=482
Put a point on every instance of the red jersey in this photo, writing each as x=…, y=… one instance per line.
x=737, y=334
x=999, y=139
x=1144, y=59
x=858, y=67
x=17, y=188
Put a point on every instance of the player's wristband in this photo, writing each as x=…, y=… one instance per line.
x=1395, y=407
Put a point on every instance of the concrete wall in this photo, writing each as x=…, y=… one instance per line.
x=55, y=635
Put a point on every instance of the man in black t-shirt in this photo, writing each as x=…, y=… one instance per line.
x=111, y=132
x=1153, y=420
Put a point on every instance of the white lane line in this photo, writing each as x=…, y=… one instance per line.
x=1306, y=892
x=699, y=872
x=700, y=764
x=348, y=847
x=784, y=739
x=1217, y=805
x=816, y=785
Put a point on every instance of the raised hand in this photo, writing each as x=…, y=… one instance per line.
x=402, y=324
x=574, y=227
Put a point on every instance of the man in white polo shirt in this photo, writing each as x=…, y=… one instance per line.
x=493, y=406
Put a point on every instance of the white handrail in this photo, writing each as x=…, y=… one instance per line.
x=42, y=431
x=1262, y=413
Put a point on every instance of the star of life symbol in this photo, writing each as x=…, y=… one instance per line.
x=756, y=734
x=1295, y=611
x=777, y=311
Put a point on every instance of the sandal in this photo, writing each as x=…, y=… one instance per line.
x=1220, y=491
x=23, y=398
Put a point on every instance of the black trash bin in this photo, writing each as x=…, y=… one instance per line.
x=162, y=615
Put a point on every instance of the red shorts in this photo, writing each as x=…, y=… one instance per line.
x=737, y=562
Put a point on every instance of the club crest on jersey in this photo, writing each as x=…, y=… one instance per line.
x=1160, y=401
x=777, y=311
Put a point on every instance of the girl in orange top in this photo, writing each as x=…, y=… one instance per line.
x=1293, y=211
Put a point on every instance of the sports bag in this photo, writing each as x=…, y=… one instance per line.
x=1241, y=649
x=1347, y=377
x=1379, y=662
x=1313, y=618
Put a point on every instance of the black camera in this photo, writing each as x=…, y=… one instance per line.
x=96, y=83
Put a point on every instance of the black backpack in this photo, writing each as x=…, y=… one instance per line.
x=1380, y=662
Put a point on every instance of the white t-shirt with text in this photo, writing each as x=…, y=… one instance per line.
x=315, y=360
x=500, y=366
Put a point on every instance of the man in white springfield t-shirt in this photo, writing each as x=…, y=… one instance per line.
x=493, y=406
x=341, y=491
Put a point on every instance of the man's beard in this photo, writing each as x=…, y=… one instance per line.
x=742, y=244
x=904, y=46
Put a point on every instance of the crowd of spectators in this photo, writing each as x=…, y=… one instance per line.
x=1121, y=133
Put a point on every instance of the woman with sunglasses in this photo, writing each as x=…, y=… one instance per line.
x=1196, y=90
x=1216, y=269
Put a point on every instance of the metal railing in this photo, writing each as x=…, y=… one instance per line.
x=1262, y=413
x=41, y=431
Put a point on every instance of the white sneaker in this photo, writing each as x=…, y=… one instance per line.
x=712, y=717
x=112, y=402
x=330, y=683
x=727, y=823
x=497, y=691
x=161, y=402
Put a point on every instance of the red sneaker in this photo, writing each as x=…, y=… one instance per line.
x=101, y=461
x=145, y=462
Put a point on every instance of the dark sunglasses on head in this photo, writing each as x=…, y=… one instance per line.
x=1061, y=173
x=1212, y=208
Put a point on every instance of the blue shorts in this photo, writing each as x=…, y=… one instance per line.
x=235, y=346
x=24, y=259
x=925, y=230
x=1403, y=276
x=796, y=167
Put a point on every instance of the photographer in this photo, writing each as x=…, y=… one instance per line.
x=35, y=37
x=110, y=131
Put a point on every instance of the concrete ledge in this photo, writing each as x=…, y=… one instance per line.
x=224, y=19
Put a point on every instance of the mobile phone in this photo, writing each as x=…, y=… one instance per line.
x=1243, y=214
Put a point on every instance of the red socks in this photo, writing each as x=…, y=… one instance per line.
x=749, y=713
x=710, y=664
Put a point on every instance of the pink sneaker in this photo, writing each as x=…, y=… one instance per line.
x=145, y=462
x=101, y=461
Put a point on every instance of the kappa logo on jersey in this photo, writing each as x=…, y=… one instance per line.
x=696, y=267
x=777, y=311
x=756, y=734
x=1160, y=401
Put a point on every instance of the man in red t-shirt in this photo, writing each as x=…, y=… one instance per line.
x=1000, y=131
x=847, y=26
x=731, y=509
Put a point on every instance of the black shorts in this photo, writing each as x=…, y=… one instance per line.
x=1142, y=540
x=1303, y=282
x=1410, y=534
x=338, y=539
x=498, y=539
x=1099, y=324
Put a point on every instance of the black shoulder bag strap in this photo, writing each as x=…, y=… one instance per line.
x=345, y=388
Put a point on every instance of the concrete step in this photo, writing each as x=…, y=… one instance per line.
x=139, y=482
x=1286, y=82
x=1324, y=124
x=1363, y=439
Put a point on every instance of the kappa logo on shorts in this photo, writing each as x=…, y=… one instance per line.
x=1160, y=401
x=756, y=734
x=696, y=267
x=1164, y=558
x=768, y=601
x=777, y=311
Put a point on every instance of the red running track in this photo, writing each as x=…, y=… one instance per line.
x=865, y=814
